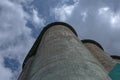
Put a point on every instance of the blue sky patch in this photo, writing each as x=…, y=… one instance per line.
x=13, y=64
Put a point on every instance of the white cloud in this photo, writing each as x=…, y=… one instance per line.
x=6, y=73
x=63, y=12
x=13, y=29
x=97, y=20
x=108, y=15
x=15, y=36
x=37, y=20
x=103, y=10
x=115, y=20
x=84, y=16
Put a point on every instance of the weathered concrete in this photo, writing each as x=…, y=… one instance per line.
x=26, y=70
x=61, y=56
x=98, y=52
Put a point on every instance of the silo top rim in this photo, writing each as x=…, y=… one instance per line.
x=115, y=57
x=33, y=50
x=93, y=42
x=59, y=23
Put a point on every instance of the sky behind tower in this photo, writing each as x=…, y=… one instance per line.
x=22, y=20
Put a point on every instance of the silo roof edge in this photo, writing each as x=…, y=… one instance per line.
x=32, y=51
x=93, y=42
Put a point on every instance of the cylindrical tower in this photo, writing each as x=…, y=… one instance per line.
x=58, y=54
x=98, y=52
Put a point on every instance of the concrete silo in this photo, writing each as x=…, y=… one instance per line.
x=58, y=54
x=98, y=52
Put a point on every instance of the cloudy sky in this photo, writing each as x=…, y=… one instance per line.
x=22, y=20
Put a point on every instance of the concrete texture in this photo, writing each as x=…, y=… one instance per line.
x=97, y=51
x=61, y=56
x=26, y=70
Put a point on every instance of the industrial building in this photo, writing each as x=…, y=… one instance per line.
x=58, y=54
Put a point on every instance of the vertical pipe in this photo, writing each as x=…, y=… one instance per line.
x=98, y=52
x=60, y=55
